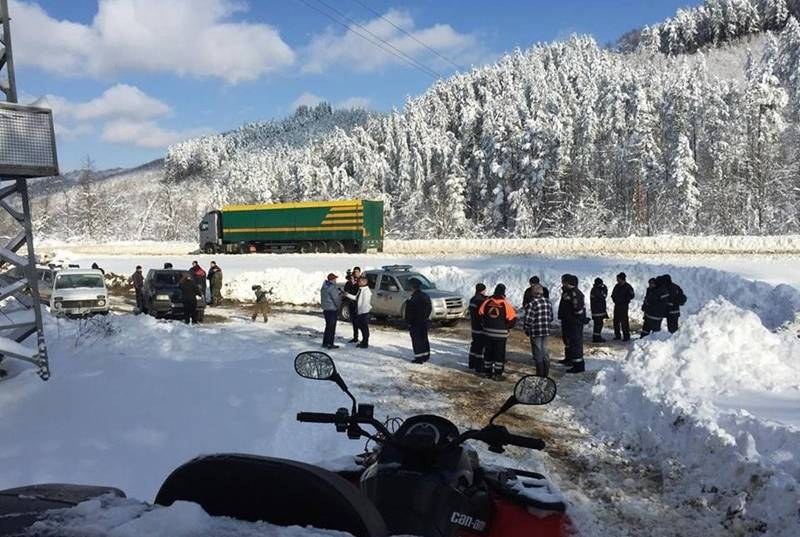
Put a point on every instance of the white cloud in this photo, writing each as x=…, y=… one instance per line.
x=306, y=99
x=347, y=49
x=186, y=37
x=125, y=115
x=145, y=134
x=355, y=102
x=119, y=101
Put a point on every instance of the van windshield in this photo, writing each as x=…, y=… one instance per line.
x=74, y=281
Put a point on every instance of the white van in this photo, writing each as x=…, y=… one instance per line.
x=79, y=292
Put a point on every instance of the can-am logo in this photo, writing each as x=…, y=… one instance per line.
x=467, y=521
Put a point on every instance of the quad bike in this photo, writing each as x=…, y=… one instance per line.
x=420, y=479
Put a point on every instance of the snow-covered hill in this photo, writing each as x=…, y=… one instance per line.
x=561, y=139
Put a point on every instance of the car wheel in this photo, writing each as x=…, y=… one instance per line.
x=344, y=313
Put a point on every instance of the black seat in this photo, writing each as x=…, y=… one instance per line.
x=278, y=491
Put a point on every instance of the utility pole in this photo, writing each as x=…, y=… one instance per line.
x=27, y=150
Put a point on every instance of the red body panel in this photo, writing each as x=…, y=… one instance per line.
x=512, y=520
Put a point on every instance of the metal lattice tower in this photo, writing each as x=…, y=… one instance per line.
x=19, y=294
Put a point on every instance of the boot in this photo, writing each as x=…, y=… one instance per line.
x=471, y=362
x=577, y=367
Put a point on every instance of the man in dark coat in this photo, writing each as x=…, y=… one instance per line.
x=497, y=318
x=189, y=291
x=199, y=277
x=418, y=311
x=597, y=303
x=622, y=295
x=215, y=281
x=572, y=314
x=527, y=296
x=478, y=338
x=655, y=305
x=137, y=279
x=675, y=300
x=351, y=288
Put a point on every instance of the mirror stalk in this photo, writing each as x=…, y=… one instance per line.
x=511, y=401
x=340, y=382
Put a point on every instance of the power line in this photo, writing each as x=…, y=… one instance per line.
x=442, y=56
x=377, y=41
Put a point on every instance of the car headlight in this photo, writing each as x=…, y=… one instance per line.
x=101, y=302
x=57, y=305
x=162, y=297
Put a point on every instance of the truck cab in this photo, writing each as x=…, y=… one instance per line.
x=211, y=232
x=78, y=292
x=391, y=288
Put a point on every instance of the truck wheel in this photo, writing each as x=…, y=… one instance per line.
x=306, y=247
x=210, y=248
x=336, y=247
x=321, y=247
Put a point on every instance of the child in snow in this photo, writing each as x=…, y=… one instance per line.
x=262, y=303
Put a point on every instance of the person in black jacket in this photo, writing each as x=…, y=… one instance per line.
x=674, y=302
x=527, y=296
x=189, y=292
x=597, y=303
x=478, y=338
x=622, y=296
x=572, y=314
x=655, y=305
x=418, y=311
x=351, y=288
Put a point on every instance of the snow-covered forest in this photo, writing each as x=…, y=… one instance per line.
x=563, y=139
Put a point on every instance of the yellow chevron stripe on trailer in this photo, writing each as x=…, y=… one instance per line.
x=285, y=229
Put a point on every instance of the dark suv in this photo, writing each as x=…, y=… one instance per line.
x=163, y=297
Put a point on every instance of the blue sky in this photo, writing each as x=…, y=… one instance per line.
x=127, y=77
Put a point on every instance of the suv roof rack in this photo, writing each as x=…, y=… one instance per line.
x=396, y=268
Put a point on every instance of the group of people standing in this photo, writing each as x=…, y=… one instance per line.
x=356, y=297
x=492, y=318
x=193, y=282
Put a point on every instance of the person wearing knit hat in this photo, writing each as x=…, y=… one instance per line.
x=478, y=337
x=597, y=303
x=572, y=314
x=497, y=317
x=622, y=295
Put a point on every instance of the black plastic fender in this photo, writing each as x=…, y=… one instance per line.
x=22, y=506
x=278, y=491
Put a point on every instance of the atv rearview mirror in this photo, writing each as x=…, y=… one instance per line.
x=314, y=365
x=317, y=365
x=529, y=390
x=534, y=390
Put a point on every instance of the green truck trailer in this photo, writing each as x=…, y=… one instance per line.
x=346, y=226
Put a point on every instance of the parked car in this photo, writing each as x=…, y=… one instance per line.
x=163, y=297
x=391, y=288
x=77, y=292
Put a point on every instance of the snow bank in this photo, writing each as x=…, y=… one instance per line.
x=122, y=517
x=721, y=397
x=57, y=248
x=589, y=245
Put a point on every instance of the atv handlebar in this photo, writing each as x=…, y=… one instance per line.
x=316, y=417
x=495, y=436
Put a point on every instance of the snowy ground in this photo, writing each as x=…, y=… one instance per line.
x=696, y=434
